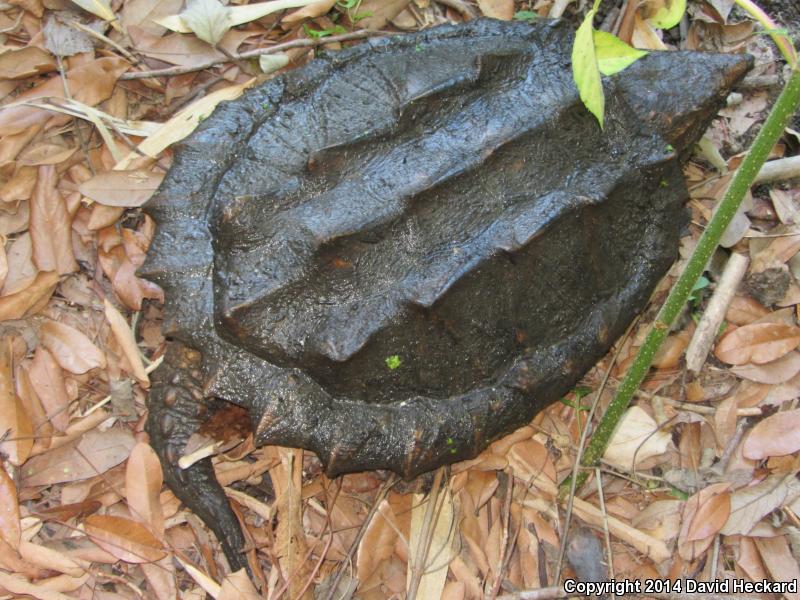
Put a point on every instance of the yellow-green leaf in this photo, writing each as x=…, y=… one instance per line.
x=614, y=55
x=585, y=71
x=669, y=15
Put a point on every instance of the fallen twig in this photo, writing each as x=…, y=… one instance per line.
x=302, y=43
x=707, y=328
x=779, y=170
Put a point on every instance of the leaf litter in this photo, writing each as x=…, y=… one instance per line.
x=706, y=464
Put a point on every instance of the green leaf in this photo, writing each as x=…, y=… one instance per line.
x=393, y=361
x=669, y=15
x=585, y=71
x=525, y=15
x=614, y=55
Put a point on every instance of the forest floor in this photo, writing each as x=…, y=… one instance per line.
x=701, y=482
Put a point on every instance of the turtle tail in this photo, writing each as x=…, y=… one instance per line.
x=177, y=407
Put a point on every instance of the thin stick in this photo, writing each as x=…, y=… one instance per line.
x=606, y=535
x=304, y=43
x=779, y=170
x=707, y=328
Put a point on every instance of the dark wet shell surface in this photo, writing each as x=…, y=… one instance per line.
x=394, y=255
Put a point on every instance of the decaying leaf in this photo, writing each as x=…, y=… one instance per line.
x=48, y=381
x=25, y=62
x=780, y=370
x=10, y=531
x=143, y=481
x=29, y=299
x=208, y=19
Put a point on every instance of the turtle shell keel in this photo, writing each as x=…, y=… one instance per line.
x=405, y=250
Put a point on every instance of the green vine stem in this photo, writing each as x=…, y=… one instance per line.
x=776, y=122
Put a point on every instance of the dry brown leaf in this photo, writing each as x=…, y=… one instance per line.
x=497, y=9
x=95, y=453
x=20, y=186
x=758, y=343
x=780, y=562
x=143, y=481
x=638, y=437
x=16, y=584
x=124, y=335
x=48, y=383
x=51, y=231
x=10, y=530
x=777, y=435
x=750, y=504
x=777, y=371
x=122, y=188
x=161, y=578
x=380, y=11
x=21, y=270
x=690, y=550
x=25, y=62
x=312, y=11
x=3, y=265
x=90, y=83
x=15, y=424
x=750, y=561
x=72, y=350
x=710, y=517
x=377, y=543
x=30, y=299
x=128, y=540
x=238, y=586
x=290, y=541
x=45, y=154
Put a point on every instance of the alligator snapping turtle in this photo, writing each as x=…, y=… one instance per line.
x=403, y=251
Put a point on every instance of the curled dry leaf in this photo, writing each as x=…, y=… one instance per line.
x=128, y=189
x=777, y=435
x=50, y=226
x=72, y=350
x=124, y=335
x=128, y=540
x=777, y=371
x=15, y=425
x=757, y=343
